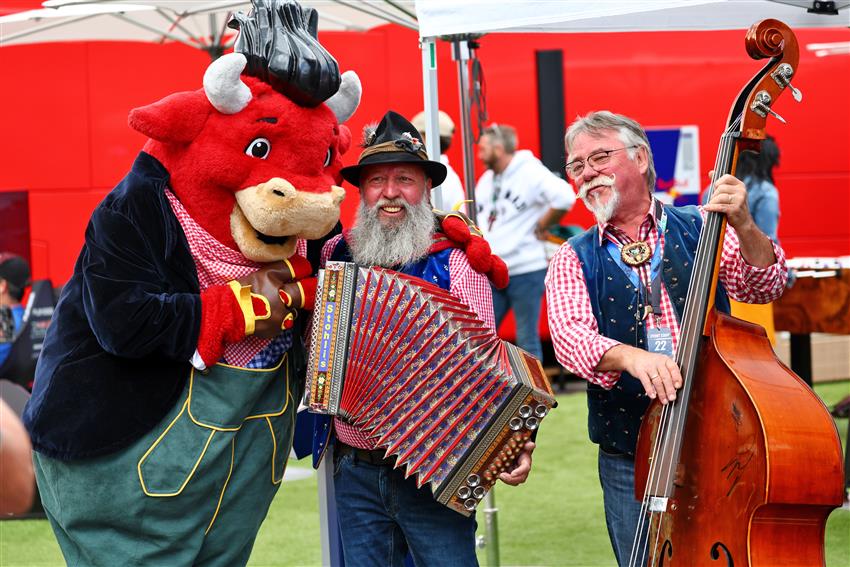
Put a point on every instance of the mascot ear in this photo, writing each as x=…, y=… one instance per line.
x=178, y=118
x=344, y=139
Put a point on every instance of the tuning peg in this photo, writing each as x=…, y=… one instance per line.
x=795, y=92
x=782, y=75
x=774, y=114
x=761, y=106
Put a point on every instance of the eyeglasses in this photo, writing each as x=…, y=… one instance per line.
x=596, y=160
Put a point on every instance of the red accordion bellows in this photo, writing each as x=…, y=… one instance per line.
x=416, y=369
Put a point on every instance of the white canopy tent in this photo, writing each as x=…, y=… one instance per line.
x=201, y=24
x=449, y=17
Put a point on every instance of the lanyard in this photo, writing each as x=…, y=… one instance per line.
x=655, y=263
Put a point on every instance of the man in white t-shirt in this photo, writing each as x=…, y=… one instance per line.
x=451, y=189
x=517, y=199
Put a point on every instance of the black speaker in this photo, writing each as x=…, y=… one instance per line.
x=550, y=103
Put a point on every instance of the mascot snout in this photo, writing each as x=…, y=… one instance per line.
x=269, y=218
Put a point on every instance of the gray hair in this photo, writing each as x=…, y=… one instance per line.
x=502, y=134
x=631, y=134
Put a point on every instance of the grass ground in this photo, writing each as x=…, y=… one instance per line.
x=554, y=519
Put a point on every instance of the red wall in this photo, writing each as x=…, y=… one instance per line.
x=65, y=138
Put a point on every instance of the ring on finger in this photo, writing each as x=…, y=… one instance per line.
x=654, y=376
x=729, y=199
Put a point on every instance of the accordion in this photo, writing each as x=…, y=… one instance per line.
x=418, y=371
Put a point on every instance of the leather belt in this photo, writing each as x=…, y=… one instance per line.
x=373, y=457
x=614, y=452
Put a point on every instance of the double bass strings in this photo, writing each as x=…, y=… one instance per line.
x=671, y=422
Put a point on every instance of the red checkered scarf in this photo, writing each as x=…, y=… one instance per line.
x=217, y=264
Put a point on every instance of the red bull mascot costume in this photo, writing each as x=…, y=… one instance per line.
x=165, y=396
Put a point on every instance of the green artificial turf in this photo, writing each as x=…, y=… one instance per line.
x=554, y=519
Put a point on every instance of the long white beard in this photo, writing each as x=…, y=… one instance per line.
x=602, y=212
x=373, y=244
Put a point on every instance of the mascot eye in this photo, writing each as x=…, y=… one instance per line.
x=259, y=148
x=328, y=157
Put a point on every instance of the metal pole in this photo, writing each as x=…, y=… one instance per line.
x=491, y=528
x=461, y=54
x=328, y=522
x=428, y=45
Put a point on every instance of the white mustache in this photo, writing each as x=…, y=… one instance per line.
x=391, y=203
x=596, y=182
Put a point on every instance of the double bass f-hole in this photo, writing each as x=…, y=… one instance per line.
x=666, y=551
x=715, y=553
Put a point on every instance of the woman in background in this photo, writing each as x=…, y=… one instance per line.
x=756, y=171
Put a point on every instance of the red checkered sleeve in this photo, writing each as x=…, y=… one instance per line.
x=471, y=287
x=328, y=249
x=575, y=335
x=747, y=283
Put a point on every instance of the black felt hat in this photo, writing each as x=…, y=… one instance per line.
x=395, y=140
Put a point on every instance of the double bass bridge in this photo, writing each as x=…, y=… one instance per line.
x=658, y=503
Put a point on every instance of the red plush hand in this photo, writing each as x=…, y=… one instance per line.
x=462, y=233
x=222, y=322
x=253, y=305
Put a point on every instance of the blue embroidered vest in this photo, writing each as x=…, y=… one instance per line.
x=433, y=268
x=614, y=415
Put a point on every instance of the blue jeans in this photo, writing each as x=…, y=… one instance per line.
x=382, y=516
x=622, y=510
x=525, y=295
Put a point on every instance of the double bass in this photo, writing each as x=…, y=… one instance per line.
x=745, y=466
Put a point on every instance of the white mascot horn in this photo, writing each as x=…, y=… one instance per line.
x=347, y=98
x=222, y=85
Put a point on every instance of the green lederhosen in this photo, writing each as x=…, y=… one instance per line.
x=194, y=490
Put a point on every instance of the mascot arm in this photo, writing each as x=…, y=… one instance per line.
x=129, y=306
x=262, y=304
x=459, y=232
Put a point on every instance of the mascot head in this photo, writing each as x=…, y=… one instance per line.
x=254, y=156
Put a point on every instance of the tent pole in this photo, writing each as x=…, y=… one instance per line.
x=329, y=537
x=428, y=45
x=462, y=53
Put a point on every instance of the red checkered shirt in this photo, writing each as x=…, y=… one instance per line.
x=469, y=286
x=218, y=264
x=575, y=335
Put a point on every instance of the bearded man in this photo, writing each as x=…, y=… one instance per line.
x=381, y=514
x=616, y=292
